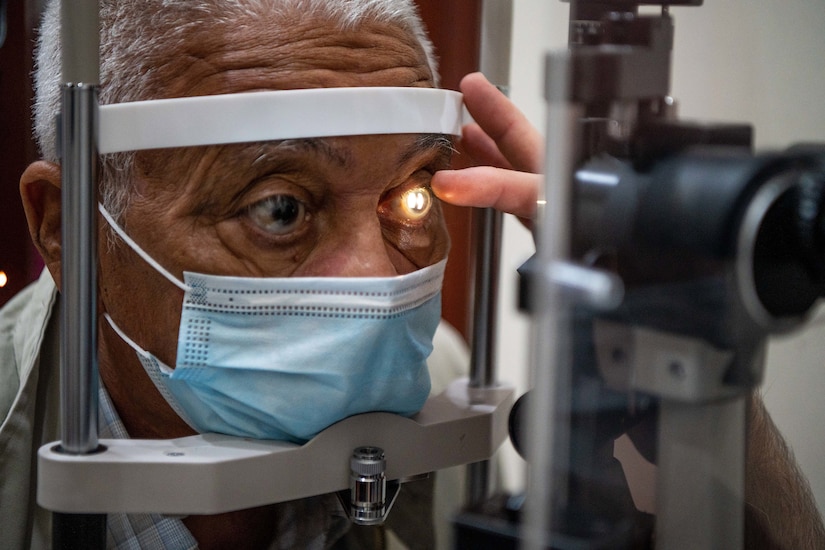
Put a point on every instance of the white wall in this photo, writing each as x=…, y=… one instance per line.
x=761, y=62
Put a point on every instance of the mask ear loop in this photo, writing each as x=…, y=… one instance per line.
x=131, y=343
x=153, y=367
x=140, y=252
x=155, y=370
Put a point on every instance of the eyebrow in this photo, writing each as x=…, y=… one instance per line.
x=425, y=143
x=320, y=146
x=443, y=145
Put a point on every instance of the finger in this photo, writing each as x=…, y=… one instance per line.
x=481, y=147
x=488, y=187
x=515, y=137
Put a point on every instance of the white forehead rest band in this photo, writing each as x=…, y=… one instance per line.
x=276, y=115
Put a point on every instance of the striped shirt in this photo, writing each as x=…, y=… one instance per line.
x=138, y=531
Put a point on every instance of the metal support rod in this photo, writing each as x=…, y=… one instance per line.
x=78, y=374
x=78, y=531
x=3, y=22
x=551, y=333
x=494, y=56
x=78, y=146
x=496, y=32
x=487, y=228
x=80, y=40
x=496, y=41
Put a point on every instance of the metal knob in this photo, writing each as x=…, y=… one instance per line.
x=368, y=485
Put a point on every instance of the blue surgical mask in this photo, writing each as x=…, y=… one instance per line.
x=284, y=358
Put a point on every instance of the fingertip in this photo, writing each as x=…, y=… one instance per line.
x=439, y=183
x=453, y=186
x=470, y=77
x=473, y=81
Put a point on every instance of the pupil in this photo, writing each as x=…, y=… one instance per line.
x=284, y=210
x=415, y=203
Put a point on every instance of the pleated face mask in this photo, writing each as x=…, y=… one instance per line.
x=284, y=358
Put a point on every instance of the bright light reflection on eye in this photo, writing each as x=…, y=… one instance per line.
x=416, y=203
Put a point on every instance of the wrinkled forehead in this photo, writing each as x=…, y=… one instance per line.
x=272, y=51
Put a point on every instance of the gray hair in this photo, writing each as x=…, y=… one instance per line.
x=132, y=32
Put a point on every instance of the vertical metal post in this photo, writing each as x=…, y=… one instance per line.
x=80, y=37
x=551, y=333
x=3, y=22
x=496, y=32
x=487, y=228
x=79, y=334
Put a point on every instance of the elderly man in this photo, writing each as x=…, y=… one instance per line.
x=301, y=208
x=242, y=217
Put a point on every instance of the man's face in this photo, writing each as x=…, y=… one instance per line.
x=306, y=207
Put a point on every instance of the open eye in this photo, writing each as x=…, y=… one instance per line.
x=278, y=214
x=413, y=204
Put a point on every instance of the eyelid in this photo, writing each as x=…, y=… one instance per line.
x=271, y=185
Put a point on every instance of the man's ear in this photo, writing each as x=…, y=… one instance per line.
x=40, y=191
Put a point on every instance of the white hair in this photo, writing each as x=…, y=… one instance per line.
x=133, y=32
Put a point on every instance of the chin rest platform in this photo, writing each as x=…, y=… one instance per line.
x=213, y=473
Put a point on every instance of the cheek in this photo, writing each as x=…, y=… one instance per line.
x=143, y=304
x=424, y=244
x=441, y=237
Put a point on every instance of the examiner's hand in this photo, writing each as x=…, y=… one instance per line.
x=506, y=149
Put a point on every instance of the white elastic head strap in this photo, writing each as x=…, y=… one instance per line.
x=139, y=251
x=277, y=115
